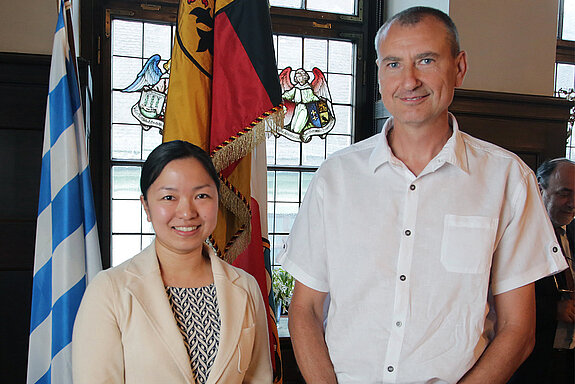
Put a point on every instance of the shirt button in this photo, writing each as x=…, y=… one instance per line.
x=555, y=249
x=412, y=187
x=407, y=232
x=390, y=369
x=402, y=277
x=398, y=324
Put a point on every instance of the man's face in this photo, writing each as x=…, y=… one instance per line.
x=559, y=197
x=418, y=73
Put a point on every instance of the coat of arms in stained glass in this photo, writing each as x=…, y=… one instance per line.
x=152, y=83
x=308, y=107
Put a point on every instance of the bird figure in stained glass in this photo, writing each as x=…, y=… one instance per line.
x=148, y=76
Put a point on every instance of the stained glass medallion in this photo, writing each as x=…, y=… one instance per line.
x=152, y=84
x=307, y=105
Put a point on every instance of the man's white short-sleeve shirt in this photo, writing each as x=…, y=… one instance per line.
x=411, y=263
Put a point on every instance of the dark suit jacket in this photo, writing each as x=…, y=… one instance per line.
x=538, y=365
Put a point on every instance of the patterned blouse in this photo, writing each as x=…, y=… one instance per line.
x=198, y=316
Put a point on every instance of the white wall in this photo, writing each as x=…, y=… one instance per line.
x=27, y=26
x=510, y=43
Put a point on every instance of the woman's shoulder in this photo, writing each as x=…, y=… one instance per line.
x=135, y=265
x=238, y=275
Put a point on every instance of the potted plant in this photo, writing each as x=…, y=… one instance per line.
x=282, y=283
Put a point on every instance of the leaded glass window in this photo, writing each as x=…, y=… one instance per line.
x=348, y=7
x=134, y=44
x=292, y=162
x=139, y=46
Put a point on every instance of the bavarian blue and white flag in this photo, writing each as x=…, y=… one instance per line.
x=67, y=253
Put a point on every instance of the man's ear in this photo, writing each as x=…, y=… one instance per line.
x=461, y=63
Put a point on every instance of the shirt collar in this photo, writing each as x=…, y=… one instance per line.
x=453, y=152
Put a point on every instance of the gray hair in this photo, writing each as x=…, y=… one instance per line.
x=547, y=168
x=413, y=16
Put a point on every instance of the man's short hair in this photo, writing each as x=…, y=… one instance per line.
x=546, y=169
x=413, y=16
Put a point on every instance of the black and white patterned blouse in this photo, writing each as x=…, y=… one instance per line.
x=198, y=316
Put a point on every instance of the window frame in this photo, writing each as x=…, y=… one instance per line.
x=96, y=47
x=565, y=54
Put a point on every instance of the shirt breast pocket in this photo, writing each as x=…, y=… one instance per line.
x=468, y=243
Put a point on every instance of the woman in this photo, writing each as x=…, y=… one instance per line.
x=175, y=313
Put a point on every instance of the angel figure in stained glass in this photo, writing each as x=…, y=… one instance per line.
x=308, y=109
x=152, y=83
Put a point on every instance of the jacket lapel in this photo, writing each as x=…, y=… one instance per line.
x=147, y=288
x=232, y=305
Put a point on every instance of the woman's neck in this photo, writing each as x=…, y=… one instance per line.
x=191, y=270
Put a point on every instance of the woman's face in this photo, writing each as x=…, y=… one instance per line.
x=182, y=205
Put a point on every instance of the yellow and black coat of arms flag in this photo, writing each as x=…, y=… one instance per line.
x=224, y=94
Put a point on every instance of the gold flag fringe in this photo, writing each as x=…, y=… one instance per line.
x=239, y=206
x=242, y=144
x=231, y=198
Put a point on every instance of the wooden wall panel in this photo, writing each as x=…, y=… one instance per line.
x=23, y=92
x=534, y=127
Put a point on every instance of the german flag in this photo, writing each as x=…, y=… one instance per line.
x=224, y=94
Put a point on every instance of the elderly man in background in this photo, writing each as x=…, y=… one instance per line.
x=552, y=360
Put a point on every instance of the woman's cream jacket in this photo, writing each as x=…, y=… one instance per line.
x=125, y=330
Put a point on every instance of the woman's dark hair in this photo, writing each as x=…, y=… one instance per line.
x=173, y=150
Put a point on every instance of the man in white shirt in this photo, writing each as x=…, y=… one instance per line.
x=417, y=236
